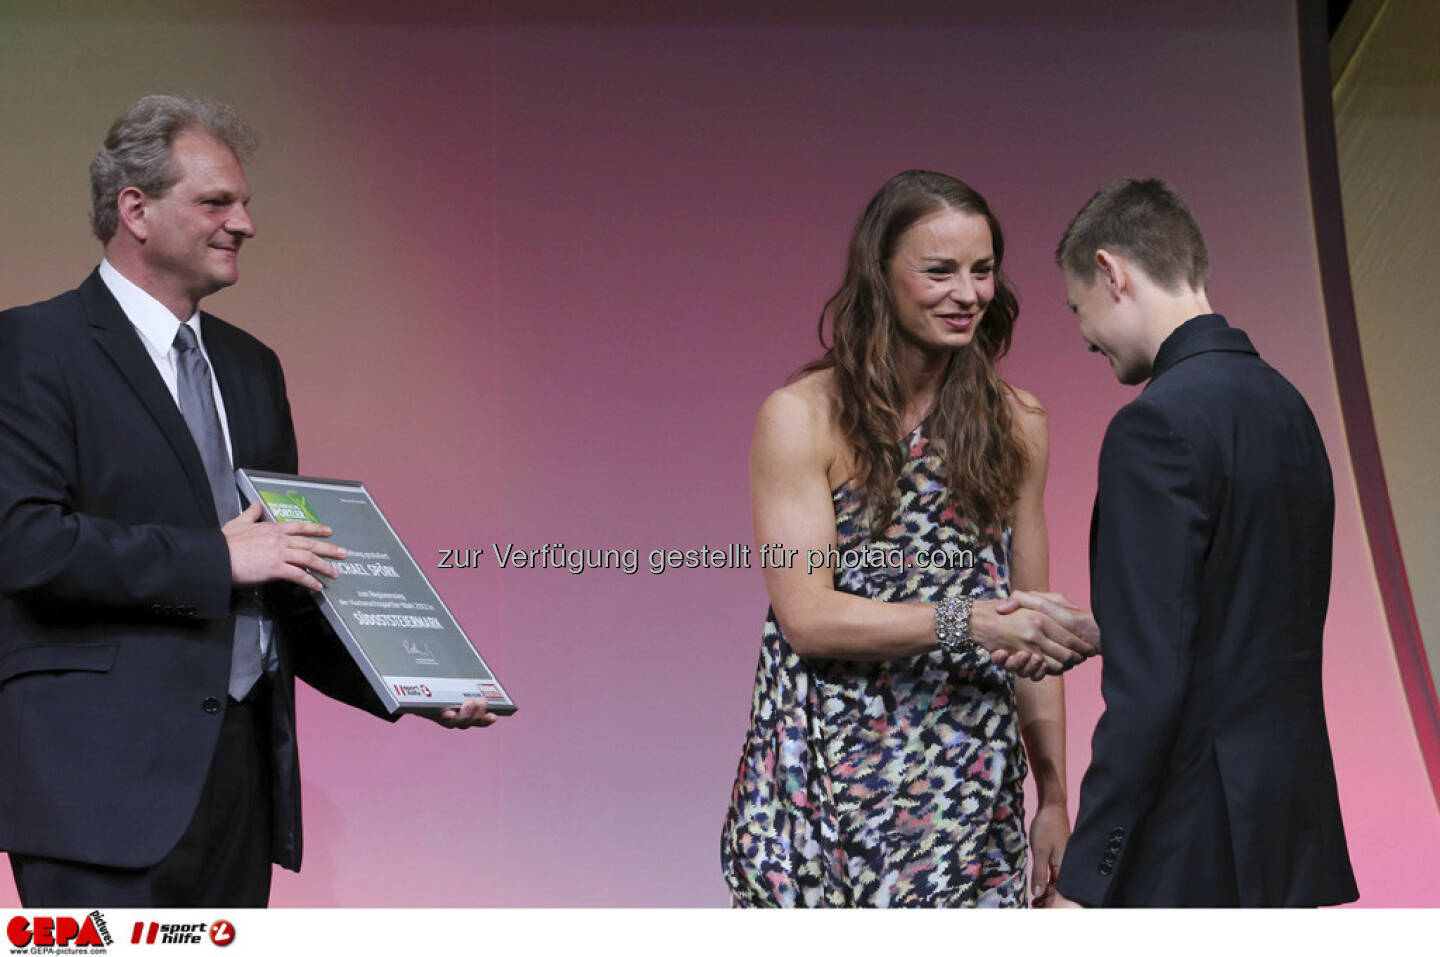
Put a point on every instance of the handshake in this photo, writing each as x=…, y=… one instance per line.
x=1034, y=634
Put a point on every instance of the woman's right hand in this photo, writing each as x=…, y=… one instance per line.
x=1050, y=647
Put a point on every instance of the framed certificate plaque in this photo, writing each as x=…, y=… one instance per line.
x=382, y=607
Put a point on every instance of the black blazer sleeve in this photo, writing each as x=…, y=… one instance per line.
x=320, y=660
x=1150, y=536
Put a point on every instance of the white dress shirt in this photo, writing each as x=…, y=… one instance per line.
x=157, y=326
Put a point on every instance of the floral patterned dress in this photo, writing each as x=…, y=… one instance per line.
x=887, y=783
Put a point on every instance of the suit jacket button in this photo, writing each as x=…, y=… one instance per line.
x=211, y=705
x=1109, y=858
x=1105, y=870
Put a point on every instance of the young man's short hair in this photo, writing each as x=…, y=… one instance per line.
x=1145, y=220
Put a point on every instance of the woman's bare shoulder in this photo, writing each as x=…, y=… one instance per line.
x=798, y=420
x=807, y=404
x=1027, y=416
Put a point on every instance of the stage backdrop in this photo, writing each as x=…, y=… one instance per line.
x=532, y=270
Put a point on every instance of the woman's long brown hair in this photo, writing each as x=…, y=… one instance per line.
x=970, y=419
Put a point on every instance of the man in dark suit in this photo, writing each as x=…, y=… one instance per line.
x=149, y=634
x=1211, y=781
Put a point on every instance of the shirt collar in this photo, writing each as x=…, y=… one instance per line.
x=1207, y=333
x=155, y=323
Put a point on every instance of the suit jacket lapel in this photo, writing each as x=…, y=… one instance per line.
x=117, y=337
x=234, y=387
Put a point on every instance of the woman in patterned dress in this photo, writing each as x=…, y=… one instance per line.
x=896, y=472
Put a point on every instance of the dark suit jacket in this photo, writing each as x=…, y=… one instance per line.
x=1211, y=780
x=115, y=595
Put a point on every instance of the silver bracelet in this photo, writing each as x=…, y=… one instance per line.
x=952, y=625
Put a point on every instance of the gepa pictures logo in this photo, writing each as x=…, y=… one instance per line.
x=70, y=933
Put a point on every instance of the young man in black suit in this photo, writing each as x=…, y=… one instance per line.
x=147, y=646
x=1211, y=782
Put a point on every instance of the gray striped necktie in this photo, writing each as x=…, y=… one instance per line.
x=197, y=405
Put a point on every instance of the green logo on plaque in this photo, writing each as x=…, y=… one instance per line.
x=289, y=506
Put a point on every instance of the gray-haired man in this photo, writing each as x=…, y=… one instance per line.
x=149, y=632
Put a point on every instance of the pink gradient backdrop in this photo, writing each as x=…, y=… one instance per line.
x=531, y=276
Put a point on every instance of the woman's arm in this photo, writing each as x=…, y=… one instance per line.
x=790, y=461
x=792, y=507
x=1041, y=703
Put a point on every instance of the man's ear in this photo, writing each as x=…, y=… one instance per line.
x=132, y=206
x=1111, y=270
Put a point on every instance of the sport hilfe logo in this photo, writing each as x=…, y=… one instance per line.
x=58, y=932
x=412, y=691
x=221, y=933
